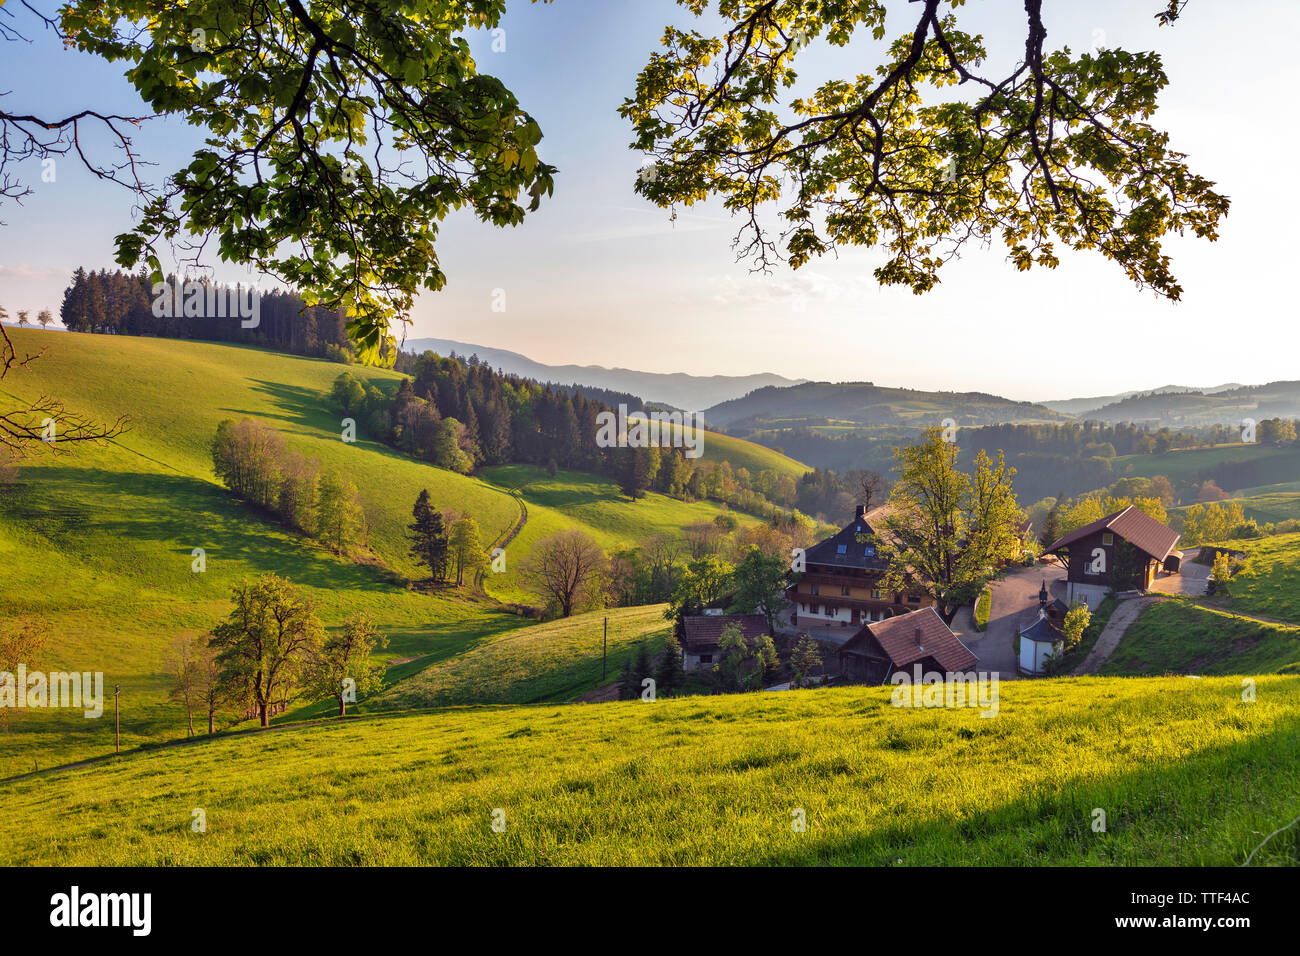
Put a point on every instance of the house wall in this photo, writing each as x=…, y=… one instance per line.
x=694, y=660
x=1034, y=656
x=1090, y=594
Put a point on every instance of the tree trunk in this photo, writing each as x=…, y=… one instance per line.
x=262, y=714
x=211, y=727
x=343, y=707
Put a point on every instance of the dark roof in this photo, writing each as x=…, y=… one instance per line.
x=1041, y=630
x=844, y=550
x=703, y=630
x=1136, y=527
x=899, y=638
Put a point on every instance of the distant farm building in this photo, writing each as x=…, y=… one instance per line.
x=903, y=641
x=701, y=633
x=1120, y=552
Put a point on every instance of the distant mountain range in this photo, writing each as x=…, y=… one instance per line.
x=1229, y=405
x=1080, y=406
x=866, y=404
x=689, y=392
x=759, y=402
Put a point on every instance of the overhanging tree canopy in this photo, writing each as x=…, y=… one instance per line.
x=1057, y=151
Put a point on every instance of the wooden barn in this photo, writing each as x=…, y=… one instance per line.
x=1120, y=552
x=921, y=637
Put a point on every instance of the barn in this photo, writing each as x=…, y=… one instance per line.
x=1123, y=551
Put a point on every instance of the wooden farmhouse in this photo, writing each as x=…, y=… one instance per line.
x=701, y=632
x=841, y=580
x=1120, y=552
x=901, y=642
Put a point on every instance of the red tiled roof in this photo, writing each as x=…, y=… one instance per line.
x=703, y=630
x=900, y=640
x=1136, y=527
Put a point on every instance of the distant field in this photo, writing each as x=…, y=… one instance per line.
x=556, y=661
x=1186, y=772
x=1264, y=507
x=1180, y=638
x=1284, y=463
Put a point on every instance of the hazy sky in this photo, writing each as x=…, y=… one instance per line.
x=599, y=276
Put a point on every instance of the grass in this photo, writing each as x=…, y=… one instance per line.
x=98, y=540
x=556, y=661
x=982, y=606
x=1096, y=624
x=1187, y=773
x=1186, y=464
x=1268, y=584
x=1183, y=638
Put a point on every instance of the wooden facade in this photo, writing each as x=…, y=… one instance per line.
x=841, y=581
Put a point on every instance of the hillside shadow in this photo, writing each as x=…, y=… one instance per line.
x=299, y=405
x=1056, y=828
x=182, y=513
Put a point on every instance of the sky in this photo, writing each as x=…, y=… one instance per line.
x=599, y=276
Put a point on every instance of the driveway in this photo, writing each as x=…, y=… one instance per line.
x=1014, y=597
x=1192, y=581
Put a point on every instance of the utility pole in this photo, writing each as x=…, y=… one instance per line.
x=604, y=649
x=117, y=720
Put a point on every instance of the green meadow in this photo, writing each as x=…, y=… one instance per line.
x=1185, y=771
x=99, y=540
x=1178, y=637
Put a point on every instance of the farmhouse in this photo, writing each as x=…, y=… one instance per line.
x=1120, y=552
x=701, y=632
x=841, y=579
x=903, y=641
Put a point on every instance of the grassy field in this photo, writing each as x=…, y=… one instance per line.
x=1185, y=464
x=1186, y=772
x=1178, y=637
x=98, y=541
x=1269, y=583
x=556, y=661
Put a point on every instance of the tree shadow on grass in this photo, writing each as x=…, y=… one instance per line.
x=1209, y=808
x=182, y=513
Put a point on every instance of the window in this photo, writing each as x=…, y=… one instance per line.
x=706, y=658
x=1107, y=538
x=844, y=590
x=842, y=549
x=914, y=599
x=816, y=609
x=877, y=593
x=869, y=551
x=814, y=589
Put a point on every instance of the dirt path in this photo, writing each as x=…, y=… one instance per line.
x=503, y=540
x=1125, y=613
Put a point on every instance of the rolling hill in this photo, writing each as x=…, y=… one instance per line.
x=1185, y=771
x=862, y=403
x=1227, y=406
x=98, y=541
